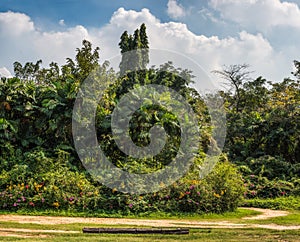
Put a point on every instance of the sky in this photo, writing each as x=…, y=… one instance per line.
x=213, y=33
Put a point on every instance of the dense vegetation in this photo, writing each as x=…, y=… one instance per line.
x=263, y=136
x=39, y=167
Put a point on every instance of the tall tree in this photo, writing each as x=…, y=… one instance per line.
x=297, y=72
x=125, y=46
x=144, y=46
x=236, y=75
x=18, y=69
x=87, y=59
x=134, y=50
x=29, y=71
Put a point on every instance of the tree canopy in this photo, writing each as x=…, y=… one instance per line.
x=39, y=166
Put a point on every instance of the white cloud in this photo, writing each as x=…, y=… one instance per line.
x=22, y=41
x=209, y=52
x=62, y=22
x=5, y=73
x=208, y=15
x=175, y=10
x=263, y=14
x=15, y=24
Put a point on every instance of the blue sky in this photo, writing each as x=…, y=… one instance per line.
x=262, y=33
x=92, y=13
x=89, y=13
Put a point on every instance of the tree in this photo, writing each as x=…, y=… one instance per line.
x=134, y=50
x=236, y=75
x=144, y=46
x=86, y=59
x=38, y=163
x=69, y=69
x=125, y=42
x=254, y=95
x=30, y=71
x=297, y=66
x=18, y=69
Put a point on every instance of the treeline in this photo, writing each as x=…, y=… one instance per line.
x=263, y=131
x=41, y=169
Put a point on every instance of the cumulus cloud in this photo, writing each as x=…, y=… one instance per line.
x=22, y=41
x=5, y=73
x=211, y=53
x=175, y=10
x=264, y=14
x=15, y=24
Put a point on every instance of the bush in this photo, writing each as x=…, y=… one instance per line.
x=270, y=177
x=220, y=191
x=42, y=182
x=55, y=186
x=261, y=187
x=290, y=202
x=271, y=167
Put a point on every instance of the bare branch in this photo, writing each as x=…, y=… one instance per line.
x=236, y=76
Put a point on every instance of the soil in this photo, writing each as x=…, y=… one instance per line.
x=266, y=214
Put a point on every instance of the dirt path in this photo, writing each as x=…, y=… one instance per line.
x=31, y=233
x=265, y=214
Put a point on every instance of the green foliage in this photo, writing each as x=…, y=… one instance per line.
x=29, y=71
x=267, y=122
x=263, y=130
x=219, y=192
x=147, y=116
x=43, y=182
x=272, y=167
x=40, y=168
x=283, y=203
x=87, y=60
x=134, y=50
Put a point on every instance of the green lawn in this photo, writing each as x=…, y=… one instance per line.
x=201, y=234
x=195, y=235
x=238, y=213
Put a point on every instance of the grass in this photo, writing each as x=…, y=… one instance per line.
x=66, y=227
x=293, y=218
x=204, y=234
x=238, y=213
x=234, y=217
x=245, y=235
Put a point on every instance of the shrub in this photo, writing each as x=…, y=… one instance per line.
x=220, y=191
x=290, y=202
x=270, y=177
x=271, y=167
x=55, y=186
